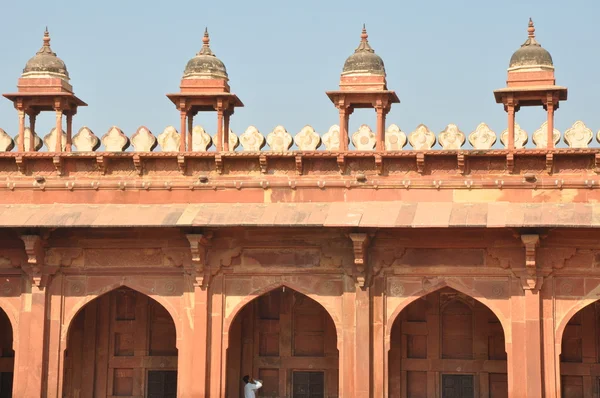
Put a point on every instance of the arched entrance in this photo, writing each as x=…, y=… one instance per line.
x=288, y=341
x=447, y=344
x=7, y=356
x=122, y=343
x=580, y=354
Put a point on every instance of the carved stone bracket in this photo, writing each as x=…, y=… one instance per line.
x=137, y=163
x=219, y=163
x=597, y=163
x=461, y=163
x=181, y=163
x=36, y=268
x=299, y=166
x=58, y=165
x=531, y=276
x=510, y=163
x=20, y=164
x=379, y=164
x=101, y=163
x=341, y=162
x=360, y=244
x=549, y=163
x=199, y=244
x=420, y=162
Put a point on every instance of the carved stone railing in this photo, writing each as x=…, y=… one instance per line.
x=279, y=140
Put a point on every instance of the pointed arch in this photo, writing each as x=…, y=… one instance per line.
x=145, y=290
x=440, y=284
x=12, y=314
x=561, y=323
x=122, y=322
x=291, y=285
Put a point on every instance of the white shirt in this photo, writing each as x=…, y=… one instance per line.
x=250, y=388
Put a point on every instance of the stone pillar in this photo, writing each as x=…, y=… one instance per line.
x=362, y=343
x=54, y=329
x=182, y=116
x=550, y=109
x=69, y=132
x=347, y=357
x=378, y=333
x=32, y=117
x=22, y=130
x=190, y=129
x=525, y=350
x=226, y=131
x=216, y=371
x=551, y=366
x=32, y=326
x=199, y=345
x=380, y=145
x=58, y=147
x=511, y=126
x=219, y=143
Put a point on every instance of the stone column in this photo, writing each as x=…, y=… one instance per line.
x=190, y=128
x=511, y=126
x=69, y=132
x=347, y=372
x=226, y=131
x=199, y=344
x=59, y=113
x=525, y=350
x=362, y=343
x=21, y=130
x=182, y=116
x=220, y=142
x=55, y=350
x=378, y=333
x=32, y=117
x=381, y=112
x=550, y=109
x=216, y=371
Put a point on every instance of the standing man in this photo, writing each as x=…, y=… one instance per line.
x=251, y=386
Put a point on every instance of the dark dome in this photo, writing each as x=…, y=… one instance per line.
x=364, y=59
x=205, y=63
x=531, y=53
x=45, y=62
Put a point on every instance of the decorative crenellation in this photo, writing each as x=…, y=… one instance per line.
x=307, y=139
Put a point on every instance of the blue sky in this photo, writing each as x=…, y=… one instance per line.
x=443, y=58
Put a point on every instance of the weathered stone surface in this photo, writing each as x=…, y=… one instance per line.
x=540, y=136
x=252, y=139
x=331, y=139
x=114, y=140
x=143, y=140
x=307, y=139
x=578, y=135
x=169, y=140
x=6, y=142
x=395, y=139
x=482, y=137
x=85, y=140
x=451, y=137
x=37, y=141
x=201, y=140
x=279, y=139
x=50, y=140
x=521, y=137
x=422, y=138
x=364, y=138
x=234, y=141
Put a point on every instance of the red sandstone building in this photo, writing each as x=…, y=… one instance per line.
x=363, y=270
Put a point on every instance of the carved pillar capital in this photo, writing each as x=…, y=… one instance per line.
x=360, y=245
x=531, y=275
x=36, y=268
x=199, y=244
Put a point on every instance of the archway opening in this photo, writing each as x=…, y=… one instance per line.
x=580, y=354
x=122, y=343
x=447, y=344
x=7, y=356
x=288, y=341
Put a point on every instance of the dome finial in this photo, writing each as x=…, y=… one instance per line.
x=46, y=38
x=205, y=44
x=531, y=29
x=364, y=43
